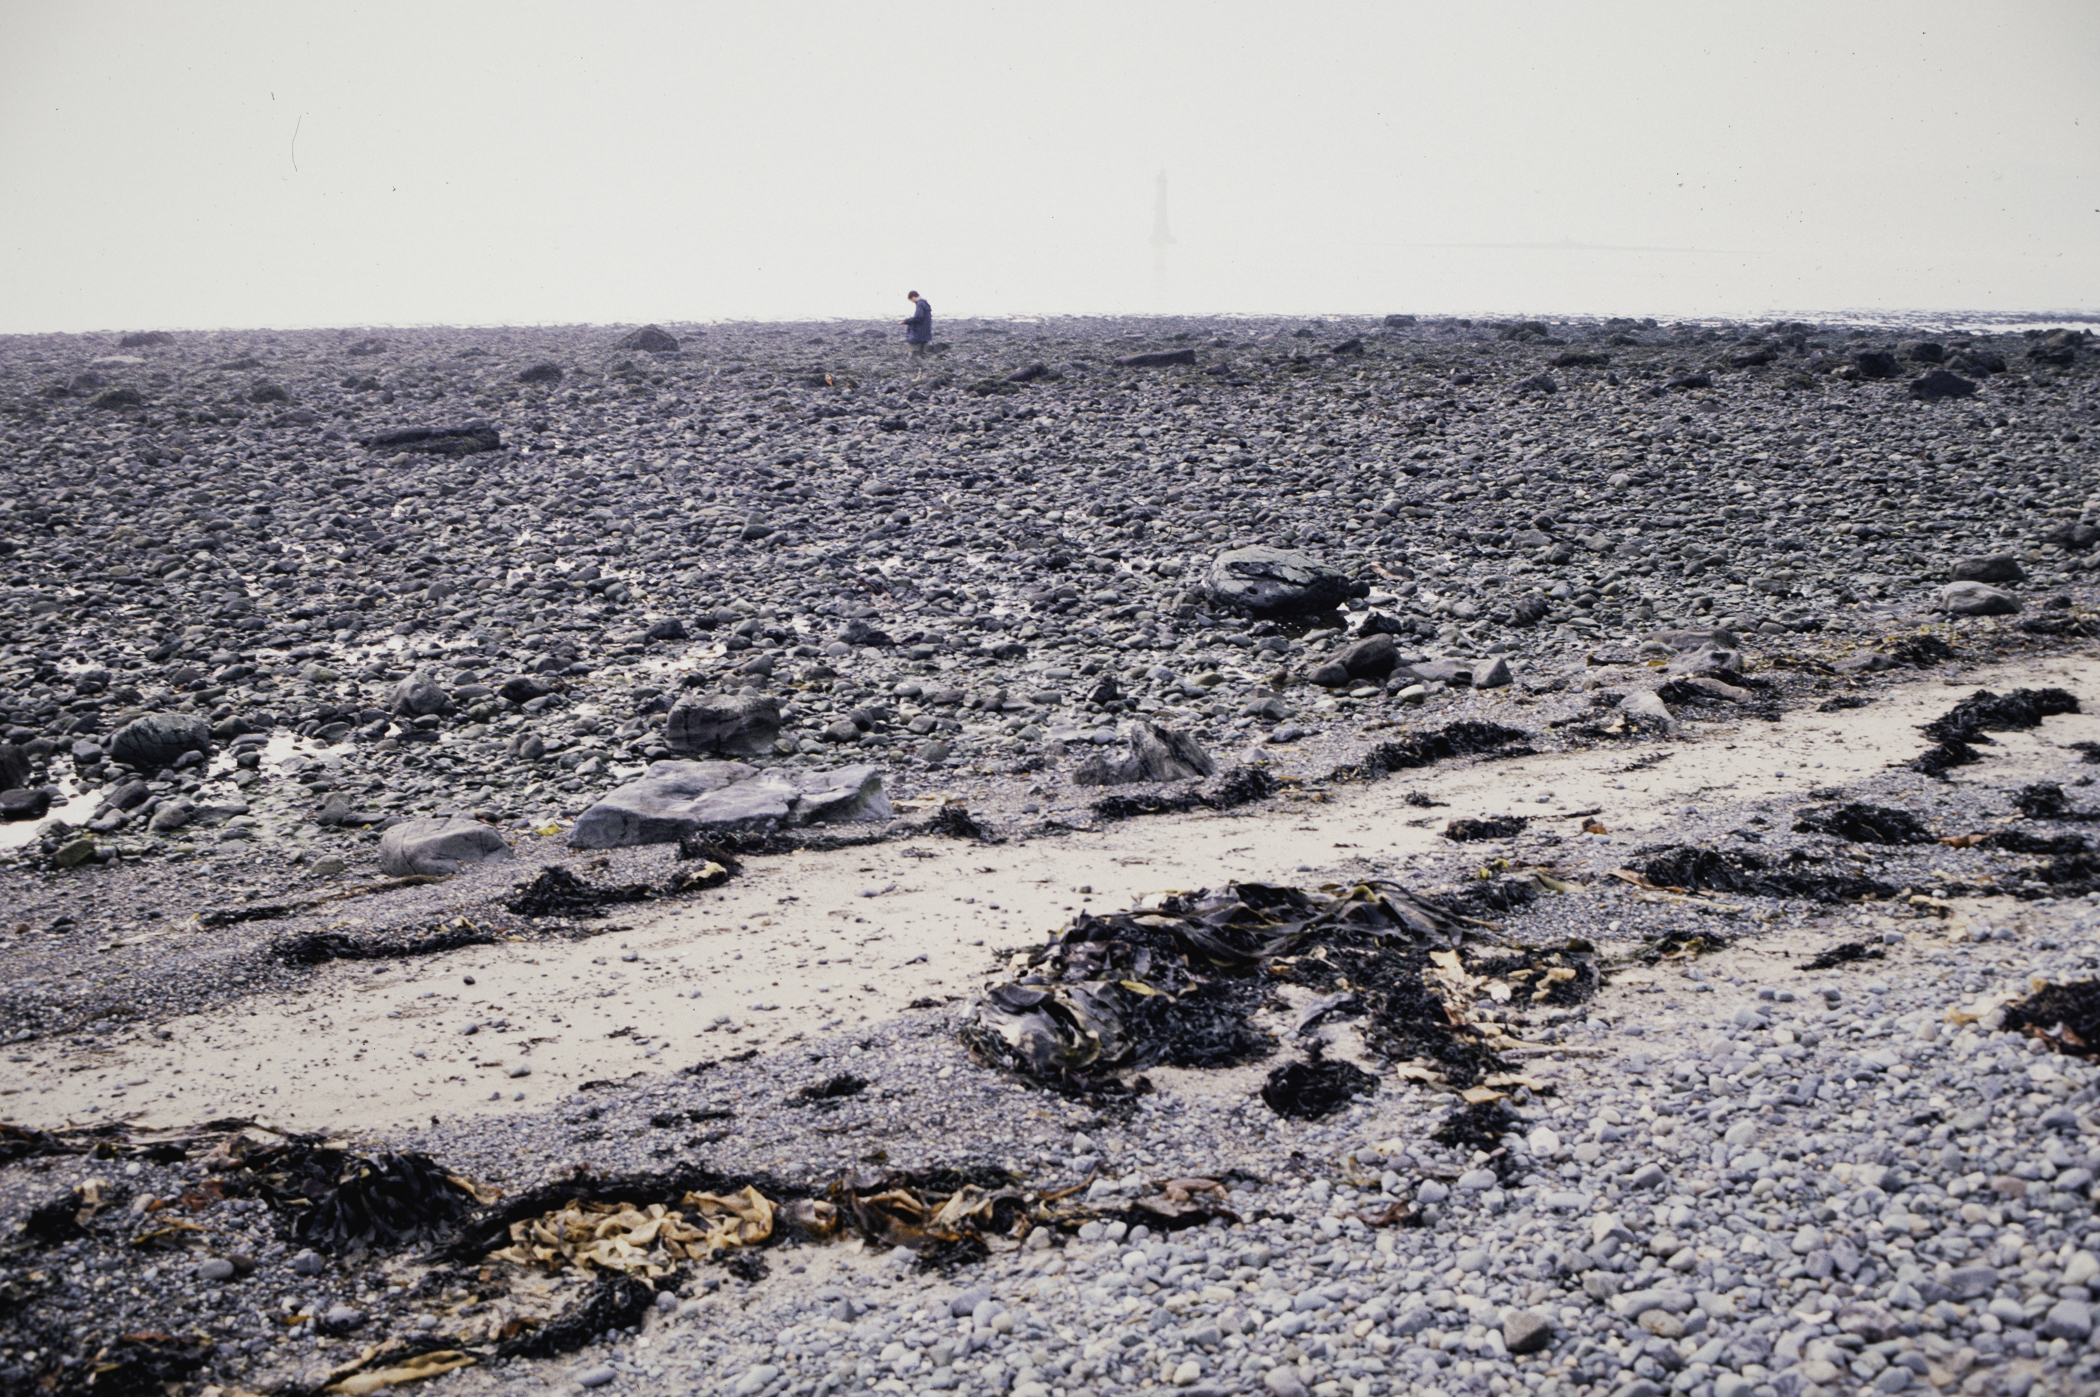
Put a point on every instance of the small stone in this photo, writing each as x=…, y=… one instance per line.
x=521, y=1069
x=754, y=1378
x=603, y=1373
x=1661, y=1323
x=1283, y=1381
x=2068, y=1319
x=216, y=1268
x=1526, y=1331
x=309, y=1263
x=341, y=1319
x=74, y=852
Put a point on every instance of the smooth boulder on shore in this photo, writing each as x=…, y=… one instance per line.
x=463, y=440
x=1987, y=567
x=1977, y=599
x=724, y=725
x=14, y=767
x=677, y=798
x=1151, y=753
x=1158, y=359
x=159, y=740
x=1265, y=581
x=438, y=845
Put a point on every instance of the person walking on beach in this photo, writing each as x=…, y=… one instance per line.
x=918, y=329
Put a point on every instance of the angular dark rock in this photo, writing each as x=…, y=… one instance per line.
x=724, y=725
x=14, y=767
x=159, y=740
x=1941, y=384
x=462, y=440
x=1987, y=567
x=653, y=339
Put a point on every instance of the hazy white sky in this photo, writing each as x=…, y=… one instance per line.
x=289, y=164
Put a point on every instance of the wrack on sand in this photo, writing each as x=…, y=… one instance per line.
x=1182, y=979
x=1956, y=733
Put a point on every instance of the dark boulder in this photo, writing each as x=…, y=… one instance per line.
x=146, y=339
x=2075, y=537
x=2058, y=346
x=1875, y=363
x=1373, y=656
x=418, y=696
x=1987, y=567
x=462, y=440
x=724, y=725
x=524, y=689
x=1265, y=581
x=541, y=373
x=1158, y=359
x=118, y=398
x=159, y=740
x=14, y=767
x=653, y=339
x=1941, y=384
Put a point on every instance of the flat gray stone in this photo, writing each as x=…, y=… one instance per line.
x=438, y=845
x=1987, y=567
x=1977, y=599
x=676, y=798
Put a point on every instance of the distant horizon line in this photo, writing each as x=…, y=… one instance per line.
x=1826, y=317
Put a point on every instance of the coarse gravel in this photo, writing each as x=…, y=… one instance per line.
x=1726, y=1175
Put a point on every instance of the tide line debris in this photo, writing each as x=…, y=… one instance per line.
x=1181, y=980
x=1957, y=732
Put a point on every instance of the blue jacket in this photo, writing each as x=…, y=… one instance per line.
x=919, y=329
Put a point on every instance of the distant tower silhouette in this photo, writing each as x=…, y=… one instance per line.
x=1162, y=238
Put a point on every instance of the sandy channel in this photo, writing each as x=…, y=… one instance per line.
x=824, y=942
